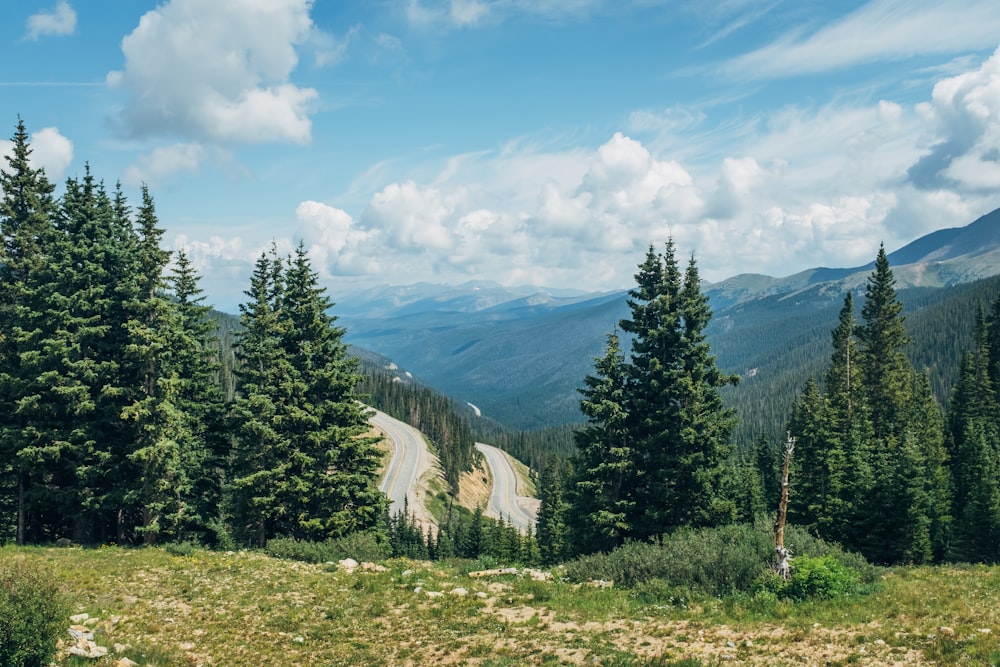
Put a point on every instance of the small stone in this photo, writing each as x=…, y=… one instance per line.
x=459, y=592
x=435, y=594
x=407, y=573
x=730, y=644
x=121, y=648
x=418, y=589
x=879, y=642
x=984, y=631
x=79, y=618
x=727, y=656
x=946, y=631
x=125, y=662
x=348, y=564
x=299, y=640
x=482, y=595
x=748, y=644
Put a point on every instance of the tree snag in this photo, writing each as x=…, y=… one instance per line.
x=784, y=565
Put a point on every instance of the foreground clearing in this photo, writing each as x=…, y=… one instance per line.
x=246, y=608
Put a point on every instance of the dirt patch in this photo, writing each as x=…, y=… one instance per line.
x=474, y=487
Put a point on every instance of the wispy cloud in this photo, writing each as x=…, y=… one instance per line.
x=58, y=21
x=882, y=30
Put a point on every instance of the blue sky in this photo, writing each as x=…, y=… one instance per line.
x=535, y=142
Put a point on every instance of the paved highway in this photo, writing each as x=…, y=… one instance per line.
x=410, y=460
x=503, y=498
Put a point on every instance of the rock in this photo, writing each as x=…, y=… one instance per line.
x=946, y=631
x=435, y=594
x=538, y=575
x=984, y=631
x=459, y=592
x=601, y=583
x=406, y=573
x=879, y=642
x=64, y=542
x=482, y=595
x=374, y=567
x=299, y=640
x=81, y=632
x=125, y=662
x=79, y=618
x=730, y=644
x=348, y=564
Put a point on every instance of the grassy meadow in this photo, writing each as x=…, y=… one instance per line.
x=196, y=607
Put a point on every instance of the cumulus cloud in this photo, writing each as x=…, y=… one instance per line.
x=964, y=113
x=797, y=188
x=217, y=71
x=59, y=21
x=162, y=162
x=881, y=30
x=50, y=151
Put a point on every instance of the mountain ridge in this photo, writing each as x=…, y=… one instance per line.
x=520, y=354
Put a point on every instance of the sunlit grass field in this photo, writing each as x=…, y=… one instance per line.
x=195, y=607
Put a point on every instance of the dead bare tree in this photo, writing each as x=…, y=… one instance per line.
x=784, y=565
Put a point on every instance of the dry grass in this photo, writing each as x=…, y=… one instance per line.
x=246, y=608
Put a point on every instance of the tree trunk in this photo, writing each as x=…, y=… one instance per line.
x=783, y=567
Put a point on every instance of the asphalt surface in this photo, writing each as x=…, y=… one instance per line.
x=410, y=459
x=503, y=497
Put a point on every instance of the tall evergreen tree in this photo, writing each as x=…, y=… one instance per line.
x=553, y=532
x=658, y=432
x=304, y=467
x=26, y=229
x=604, y=466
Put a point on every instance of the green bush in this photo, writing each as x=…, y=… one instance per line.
x=33, y=614
x=712, y=561
x=361, y=546
x=824, y=577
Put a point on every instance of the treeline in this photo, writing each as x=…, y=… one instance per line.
x=880, y=467
x=116, y=421
x=782, y=342
x=877, y=466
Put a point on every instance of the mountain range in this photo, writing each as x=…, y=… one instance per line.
x=519, y=354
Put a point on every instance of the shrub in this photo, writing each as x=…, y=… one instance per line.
x=33, y=614
x=824, y=577
x=361, y=546
x=713, y=561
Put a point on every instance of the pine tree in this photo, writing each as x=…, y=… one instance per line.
x=553, y=533
x=259, y=490
x=200, y=399
x=658, y=434
x=26, y=229
x=330, y=424
x=304, y=466
x=604, y=467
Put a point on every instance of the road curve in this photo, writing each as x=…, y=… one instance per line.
x=503, y=498
x=410, y=460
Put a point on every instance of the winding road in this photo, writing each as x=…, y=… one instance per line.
x=503, y=498
x=410, y=460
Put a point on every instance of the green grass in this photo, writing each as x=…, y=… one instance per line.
x=215, y=608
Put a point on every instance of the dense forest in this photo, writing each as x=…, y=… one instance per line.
x=130, y=411
x=655, y=455
x=121, y=419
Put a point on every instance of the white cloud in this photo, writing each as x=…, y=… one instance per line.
x=50, y=151
x=964, y=114
x=163, y=162
x=881, y=30
x=59, y=21
x=778, y=193
x=217, y=71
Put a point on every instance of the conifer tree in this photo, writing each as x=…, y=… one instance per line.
x=553, y=532
x=604, y=466
x=26, y=230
